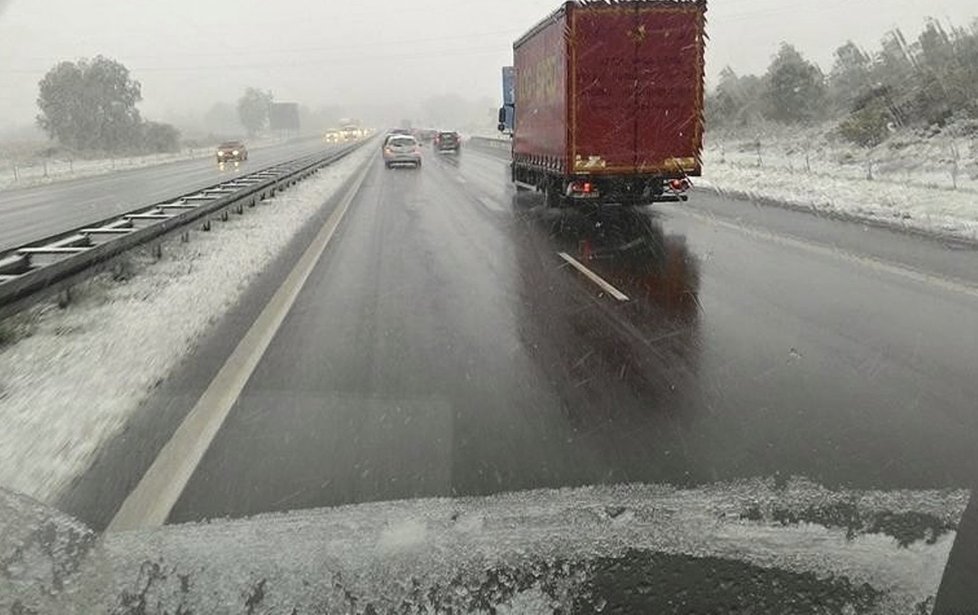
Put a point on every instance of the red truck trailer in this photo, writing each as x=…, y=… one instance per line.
x=609, y=102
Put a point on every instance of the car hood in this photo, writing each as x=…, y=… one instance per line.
x=759, y=544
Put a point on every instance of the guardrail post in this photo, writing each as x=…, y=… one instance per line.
x=120, y=269
x=185, y=237
x=64, y=297
x=158, y=250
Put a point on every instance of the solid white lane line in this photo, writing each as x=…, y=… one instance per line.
x=605, y=286
x=151, y=501
x=869, y=262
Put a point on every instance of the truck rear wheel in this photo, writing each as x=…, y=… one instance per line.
x=552, y=196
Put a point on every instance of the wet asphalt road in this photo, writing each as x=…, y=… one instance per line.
x=443, y=347
x=30, y=214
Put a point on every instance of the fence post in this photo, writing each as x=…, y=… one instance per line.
x=955, y=157
x=757, y=144
x=16, y=177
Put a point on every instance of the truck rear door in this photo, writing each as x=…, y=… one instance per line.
x=637, y=78
x=669, y=95
x=602, y=65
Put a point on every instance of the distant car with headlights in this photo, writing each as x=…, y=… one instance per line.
x=232, y=151
x=402, y=150
x=333, y=136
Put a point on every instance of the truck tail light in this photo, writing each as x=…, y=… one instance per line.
x=679, y=185
x=583, y=187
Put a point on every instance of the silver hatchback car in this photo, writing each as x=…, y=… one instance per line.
x=402, y=149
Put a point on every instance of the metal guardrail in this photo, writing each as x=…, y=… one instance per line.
x=491, y=143
x=34, y=271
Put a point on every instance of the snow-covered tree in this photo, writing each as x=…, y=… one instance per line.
x=90, y=105
x=253, y=109
x=851, y=76
x=794, y=88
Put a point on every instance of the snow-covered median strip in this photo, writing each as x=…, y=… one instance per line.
x=932, y=210
x=71, y=378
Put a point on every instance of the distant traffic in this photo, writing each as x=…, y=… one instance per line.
x=403, y=146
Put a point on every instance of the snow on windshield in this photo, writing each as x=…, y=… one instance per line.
x=549, y=551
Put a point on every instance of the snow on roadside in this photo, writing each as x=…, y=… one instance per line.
x=945, y=212
x=919, y=181
x=74, y=376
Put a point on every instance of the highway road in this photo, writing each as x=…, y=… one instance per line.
x=447, y=344
x=29, y=214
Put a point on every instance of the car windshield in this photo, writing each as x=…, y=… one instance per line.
x=530, y=306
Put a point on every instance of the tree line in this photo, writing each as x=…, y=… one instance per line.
x=89, y=106
x=927, y=82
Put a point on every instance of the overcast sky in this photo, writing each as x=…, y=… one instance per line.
x=189, y=54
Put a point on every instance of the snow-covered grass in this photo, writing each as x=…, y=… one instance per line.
x=36, y=171
x=24, y=169
x=71, y=378
x=922, y=182
x=931, y=159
